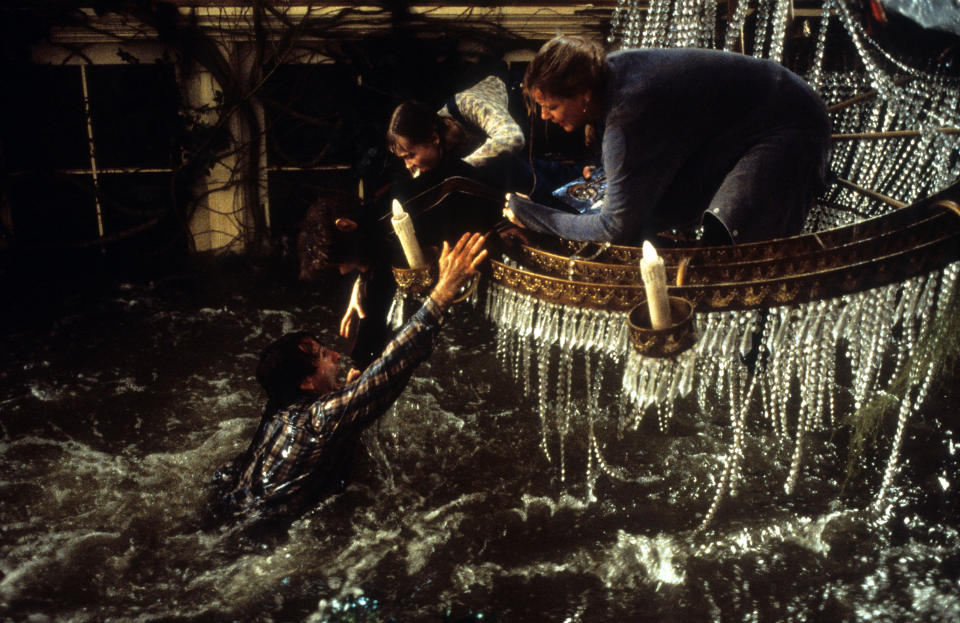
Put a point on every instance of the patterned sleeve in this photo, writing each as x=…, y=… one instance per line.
x=368, y=397
x=486, y=105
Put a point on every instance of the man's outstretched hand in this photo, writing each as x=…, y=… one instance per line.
x=457, y=266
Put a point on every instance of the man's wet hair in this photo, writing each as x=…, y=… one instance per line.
x=283, y=366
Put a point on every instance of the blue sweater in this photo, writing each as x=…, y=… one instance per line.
x=690, y=130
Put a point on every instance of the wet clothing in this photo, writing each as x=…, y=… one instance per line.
x=302, y=449
x=688, y=131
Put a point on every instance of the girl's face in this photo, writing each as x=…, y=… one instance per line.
x=567, y=112
x=418, y=157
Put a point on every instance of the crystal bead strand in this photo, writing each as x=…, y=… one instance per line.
x=797, y=323
x=532, y=315
x=880, y=81
x=738, y=416
x=901, y=183
x=616, y=21
x=735, y=25
x=863, y=350
x=815, y=75
x=913, y=180
x=543, y=374
x=860, y=154
x=765, y=364
x=664, y=393
x=706, y=357
x=564, y=405
x=637, y=25
x=841, y=308
x=613, y=471
x=776, y=369
x=594, y=385
x=906, y=407
x=688, y=25
x=655, y=25
x=823, y=381
x=855, y=29
x=910, y=295
x=526, y=345
x=879, y=332
x=808, y=390
x=778, y=29
x=761, y=27
x=504, y=353
x=674, y=25
x=744, y=385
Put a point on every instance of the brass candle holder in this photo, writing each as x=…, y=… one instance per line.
x=675, y=339
x=418, y=281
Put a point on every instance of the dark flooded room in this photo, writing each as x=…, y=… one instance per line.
x=463, y=312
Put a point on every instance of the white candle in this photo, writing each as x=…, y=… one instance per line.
x=655, y=283
x=403, y=225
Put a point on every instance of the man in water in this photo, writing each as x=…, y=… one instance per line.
x=312, y=421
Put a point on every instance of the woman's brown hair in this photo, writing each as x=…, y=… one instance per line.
x=565, y=67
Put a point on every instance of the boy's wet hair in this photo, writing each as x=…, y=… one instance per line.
x=321, y=245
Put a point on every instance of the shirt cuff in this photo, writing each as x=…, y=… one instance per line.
x=432, y=311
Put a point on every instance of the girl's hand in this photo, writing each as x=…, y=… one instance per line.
x=354, y=314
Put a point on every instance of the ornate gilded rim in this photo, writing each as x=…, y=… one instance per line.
x=798, y=288
x=936, y=207
x=925, y=231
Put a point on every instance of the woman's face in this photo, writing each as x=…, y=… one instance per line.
x=418, y=157
x=567, y=112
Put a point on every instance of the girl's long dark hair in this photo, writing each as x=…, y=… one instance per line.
x=416, y=122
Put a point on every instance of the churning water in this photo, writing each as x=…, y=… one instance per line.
x=118, y=405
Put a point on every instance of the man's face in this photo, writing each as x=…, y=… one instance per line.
x=566, y=112
x=419, y=157
x=327, y=366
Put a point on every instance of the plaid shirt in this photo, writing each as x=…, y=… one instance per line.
x=302, y=445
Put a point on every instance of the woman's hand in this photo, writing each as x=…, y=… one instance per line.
x=354, y=314
x=588, y=171
x=508, y=213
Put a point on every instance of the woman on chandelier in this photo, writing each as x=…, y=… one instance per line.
x=689, y=137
